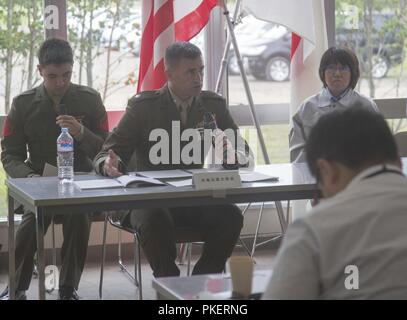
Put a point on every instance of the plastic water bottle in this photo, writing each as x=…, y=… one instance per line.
x=65, y=156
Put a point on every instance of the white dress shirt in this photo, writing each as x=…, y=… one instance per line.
x=365, y=225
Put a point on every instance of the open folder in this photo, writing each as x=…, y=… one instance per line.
x=123, y=181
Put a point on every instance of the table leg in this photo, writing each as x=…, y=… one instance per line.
x=11, y=250
x=40, y=253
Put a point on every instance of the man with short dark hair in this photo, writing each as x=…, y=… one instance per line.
x=34, y=123
x=353, y=245
x=179, y=105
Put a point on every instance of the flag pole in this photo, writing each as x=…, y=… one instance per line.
x=232, y=39
x=226, y=50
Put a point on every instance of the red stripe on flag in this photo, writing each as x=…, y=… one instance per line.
x=146, y=50
x=295, y=42
x=187, y=27
x=163, y=18
x=190, y=25
x=159, y=75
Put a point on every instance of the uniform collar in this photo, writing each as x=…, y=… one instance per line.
x=384, y=168
x=337, y=98
x=42, y=97
x=168, y=105
x=41, y=93
x=165, y=95
x=344, y=99
x=178, y=101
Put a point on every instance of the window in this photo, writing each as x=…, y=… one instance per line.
x=106, y=44
x=376, y=34
x=376, y=30
x=265, y=50
x=106, y=41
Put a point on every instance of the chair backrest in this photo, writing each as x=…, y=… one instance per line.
x=393, y=108
x=401, y=141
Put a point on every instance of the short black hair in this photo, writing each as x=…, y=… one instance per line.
x=355, y=137
x=345, y=57
x=179, y=50
x=55, y=51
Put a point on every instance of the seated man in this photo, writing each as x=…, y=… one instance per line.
x=353, y=245
x=180, y=99
x=34, y=123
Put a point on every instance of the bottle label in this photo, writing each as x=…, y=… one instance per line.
x=65, y=146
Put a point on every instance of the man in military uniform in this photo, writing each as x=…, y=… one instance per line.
x=34, y=123
x=180, y=101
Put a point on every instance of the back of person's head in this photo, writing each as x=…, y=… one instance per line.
x=55, y=51
x=180, y=50
x=343, y=56
x=356, y=137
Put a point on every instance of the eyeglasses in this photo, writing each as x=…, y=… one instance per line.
x=332, y=68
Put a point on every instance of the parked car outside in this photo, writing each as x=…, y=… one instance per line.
x=265, y=48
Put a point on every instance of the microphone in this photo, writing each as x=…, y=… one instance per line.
x=62, y=109
x=209, y=122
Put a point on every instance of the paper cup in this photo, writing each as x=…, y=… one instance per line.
x=241, y=270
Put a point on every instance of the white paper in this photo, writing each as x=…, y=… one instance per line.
x=254, y=176
x=98, y=184
x=180, y=183
x=193, y=171
x=49, y=170
x=126, y=180
x=120, y=182
x=165, y=174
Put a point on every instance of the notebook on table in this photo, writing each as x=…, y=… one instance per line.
x=124, y=181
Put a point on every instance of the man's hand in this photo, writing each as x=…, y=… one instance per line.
x=222, y=143
x=111, y=165
x=71, y=123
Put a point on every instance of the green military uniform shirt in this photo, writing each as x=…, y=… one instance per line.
x=31, y=126
x=152, y=110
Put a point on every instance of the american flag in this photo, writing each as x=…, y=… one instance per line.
x=163, y=23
